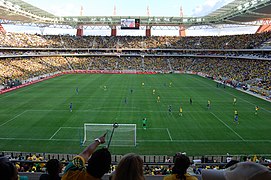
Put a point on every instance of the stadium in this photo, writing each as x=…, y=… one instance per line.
x=207, y=97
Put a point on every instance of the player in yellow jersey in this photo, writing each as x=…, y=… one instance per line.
x=256, y=110
x=208, y=104
x=158, y=98
x=181, y=111
x=234, y=101
x=153, y=91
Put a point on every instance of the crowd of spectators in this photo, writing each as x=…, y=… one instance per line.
x=247, y=41
x=129, y=167
x=238, y=66
x=253, y=72
x=13, y=70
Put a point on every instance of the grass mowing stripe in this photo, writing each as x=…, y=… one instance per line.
x=198, y=131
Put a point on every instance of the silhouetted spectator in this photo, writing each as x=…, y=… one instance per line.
x=7, y=170
x=130, y=167
x=53, y=167
x=179, y=170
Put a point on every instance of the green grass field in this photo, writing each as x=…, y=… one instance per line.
x=36, y=118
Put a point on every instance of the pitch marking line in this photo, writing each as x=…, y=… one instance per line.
x=158, y=141
x=51, y=138
x=55, y=133
x=152, y=128
x=12, y=118
x=228, y=127
x=206, y=141
x=169, y=134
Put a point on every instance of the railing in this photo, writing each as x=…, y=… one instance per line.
x=147, y=159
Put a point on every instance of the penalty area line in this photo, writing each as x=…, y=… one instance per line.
x=169, y=134
x=12, y=118
x=228, y=127
x=55, y=133
x=51, y=138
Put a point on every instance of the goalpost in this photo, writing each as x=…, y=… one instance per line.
x=124, y=135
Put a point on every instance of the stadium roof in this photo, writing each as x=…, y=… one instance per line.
x=17, y=10
x=236, y=12
x=242, y=11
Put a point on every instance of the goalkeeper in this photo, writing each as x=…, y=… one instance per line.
x=144, y=123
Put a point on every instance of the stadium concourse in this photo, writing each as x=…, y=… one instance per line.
x=239, y=61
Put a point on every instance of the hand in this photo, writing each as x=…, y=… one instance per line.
x=102, y=139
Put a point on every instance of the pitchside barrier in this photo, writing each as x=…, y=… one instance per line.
x=146, y=158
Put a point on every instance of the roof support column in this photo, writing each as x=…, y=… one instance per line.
x=2, y=30
x=148, y=31
x=113, y=30
x=182, y=32
x=79, y=31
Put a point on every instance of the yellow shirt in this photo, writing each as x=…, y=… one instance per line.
x=174, y=177
x=76, y=170
x=78, y=175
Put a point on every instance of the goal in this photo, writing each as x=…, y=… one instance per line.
x=124, y=135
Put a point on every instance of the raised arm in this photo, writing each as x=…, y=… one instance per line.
x=91, y=148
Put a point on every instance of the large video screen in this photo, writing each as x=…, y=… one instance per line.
x=130, y=23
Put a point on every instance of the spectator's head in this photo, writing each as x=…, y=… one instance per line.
x=53, y=167
x=7, y=170
x=99, y=163
x=181, y=164
x=130, y=167
x=239, y=171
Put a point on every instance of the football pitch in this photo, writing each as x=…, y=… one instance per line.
x=37, y=118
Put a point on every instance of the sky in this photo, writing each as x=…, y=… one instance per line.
x=195, y=8
x=129, y=7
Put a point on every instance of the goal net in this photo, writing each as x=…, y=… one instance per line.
x=124, y=135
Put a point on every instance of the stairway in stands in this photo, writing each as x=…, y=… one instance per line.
x=266, y=44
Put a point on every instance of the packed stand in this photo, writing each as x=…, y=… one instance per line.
x=248, y=41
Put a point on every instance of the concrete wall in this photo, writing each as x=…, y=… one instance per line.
x=35, y=176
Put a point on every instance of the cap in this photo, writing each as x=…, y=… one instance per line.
x=239, y=171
